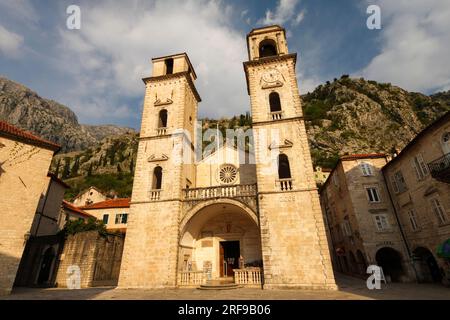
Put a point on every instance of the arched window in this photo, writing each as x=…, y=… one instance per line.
x=157, y=178
x=169, y=65
x=162, y=119
x=284, y=170
x=267, y=48
x=274, y=101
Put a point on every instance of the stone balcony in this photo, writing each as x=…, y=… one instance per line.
x=245, y=193
x=440, y=168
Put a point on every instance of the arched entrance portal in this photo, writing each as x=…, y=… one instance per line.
x=219, y=237
x=46, y=266
x=426, y=265
x=391, y=262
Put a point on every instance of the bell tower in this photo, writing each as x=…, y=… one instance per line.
x=164, y=166
x=294, y=244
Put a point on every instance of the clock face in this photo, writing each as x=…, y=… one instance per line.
x=271, y=75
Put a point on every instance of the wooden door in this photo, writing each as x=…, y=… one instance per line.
x=221, y=260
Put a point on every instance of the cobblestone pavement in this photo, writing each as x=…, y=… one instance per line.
x=349, y=288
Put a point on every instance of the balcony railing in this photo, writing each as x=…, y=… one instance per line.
x=285, y=184
x=440, y=168
x=248, y=276
x=226, y=191
x=277, y=115
x=191, y=278
x=154, y=194
x=161, y=131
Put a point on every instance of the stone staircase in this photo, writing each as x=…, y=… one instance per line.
x=220, y=284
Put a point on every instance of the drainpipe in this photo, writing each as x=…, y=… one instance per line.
x=400, y=227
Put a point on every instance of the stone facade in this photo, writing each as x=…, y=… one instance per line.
x=193, y=215
x=49, y=219
x=97, y=256
x=89, y=196
x=419, y=185
x=362, y=223
x=25, y=161
x=113, y=212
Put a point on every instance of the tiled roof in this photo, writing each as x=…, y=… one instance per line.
x=9, y=131
x=363, y=156
x=69, y=206
x=112, y=203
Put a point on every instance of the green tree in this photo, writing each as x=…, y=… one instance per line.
x=66, y=170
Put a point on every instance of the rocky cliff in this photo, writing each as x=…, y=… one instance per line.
x=49, y=119
x=358, y=116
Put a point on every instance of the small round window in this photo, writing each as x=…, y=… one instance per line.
x=227, y=174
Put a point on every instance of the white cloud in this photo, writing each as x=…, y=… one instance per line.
x=10, y=43
x=111, y=53
x=415, y=45
x=22, y=10
x=283, y=13
x=299, y=18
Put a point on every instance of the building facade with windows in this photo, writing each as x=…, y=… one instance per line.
x=419, y=183
x=362, y=225
x=252, y=218
x=24, y=163
x=113, y=212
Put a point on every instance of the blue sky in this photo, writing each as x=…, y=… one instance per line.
x=96, y=71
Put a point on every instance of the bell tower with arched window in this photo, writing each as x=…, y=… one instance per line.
x=164, y=165
x=293, y=239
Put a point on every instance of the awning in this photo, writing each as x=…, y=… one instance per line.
x=443, y=249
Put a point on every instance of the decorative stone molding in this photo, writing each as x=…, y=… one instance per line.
x=286, y=144
x=154, y=158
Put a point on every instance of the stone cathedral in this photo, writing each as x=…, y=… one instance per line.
x=252, y=217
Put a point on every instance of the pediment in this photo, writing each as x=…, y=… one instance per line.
x=430, y=190
x=164, y=102
x=155, y=158
x=285, y=144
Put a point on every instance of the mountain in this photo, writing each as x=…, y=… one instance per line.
x=358, y=116
x=345, y=116
x=49, y=119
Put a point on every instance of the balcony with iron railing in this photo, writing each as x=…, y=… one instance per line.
x=440, y=168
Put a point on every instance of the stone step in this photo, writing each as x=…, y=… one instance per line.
x=218, y=286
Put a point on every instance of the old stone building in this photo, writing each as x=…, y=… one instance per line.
x=113, y=213
x=362, y=224
x=24, y=164
x=419, y=183
x=231, y=211
x=72, y=212
x=89, y=196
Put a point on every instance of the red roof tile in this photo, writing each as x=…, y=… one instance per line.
x=9, y=131
x=363, y=156
x=112, y=203
x=69, y=206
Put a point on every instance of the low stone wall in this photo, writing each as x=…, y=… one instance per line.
x=98, y=257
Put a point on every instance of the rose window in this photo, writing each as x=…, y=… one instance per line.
x=227, y=174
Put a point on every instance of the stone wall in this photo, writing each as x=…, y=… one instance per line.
x=98, y=257
x=23, y=180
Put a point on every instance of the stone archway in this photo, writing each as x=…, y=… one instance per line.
x=211, y=229
x=426, y=265
x=391, y=262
